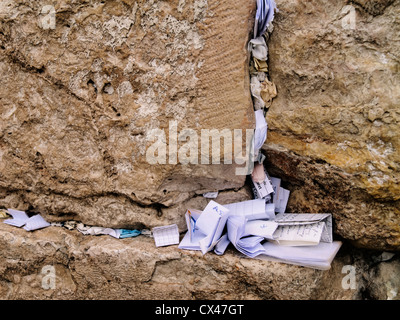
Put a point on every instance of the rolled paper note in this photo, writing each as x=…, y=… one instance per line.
x=258, y=174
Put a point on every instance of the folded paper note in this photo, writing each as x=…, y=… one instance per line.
x=36, y=222
x=191, y=217
x=221, y=245
x=192, y=237
x=248, y=245
x=280, y=196
x=317, y=257
x=19, y=218
x=252, y=209
x=258, y=48
x=264, y=16
x=166, y=235
x=261, y=228
x=210, y=195
x=96, y=231
x=255, y=88
x=263, y=190
x=260, y=134
x=204, y=229
x=211, y=223
x=303, y=229
x=281, y=200
x=258, y=175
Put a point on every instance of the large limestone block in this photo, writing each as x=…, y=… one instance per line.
x=334, y=131
x=85, y=84
x=55, y=263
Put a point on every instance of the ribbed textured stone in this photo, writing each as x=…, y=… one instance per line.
x=82, y=93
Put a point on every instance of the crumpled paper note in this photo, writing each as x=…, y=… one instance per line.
x=267, y=92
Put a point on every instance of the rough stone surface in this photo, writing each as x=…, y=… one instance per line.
x=79, y=102
x=334, y=132
x=101, y=267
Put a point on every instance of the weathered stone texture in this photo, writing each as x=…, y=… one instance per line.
x=101, y=267
x=79, y=102
x=334, y=132
x=88, y=267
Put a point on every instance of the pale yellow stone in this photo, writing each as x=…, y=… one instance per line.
x=336, y=116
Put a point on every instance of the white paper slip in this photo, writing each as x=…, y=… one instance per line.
x=36, y=222
x=282, y=200
x=261, y=228
x=211, y=222
x=210, y=195
x=210, y=217
x=280, y=196
x=299, y=235
x=204, y=227
x=276, y=184
x=166, y=235
x=191, y=217
x=189, y=243
x=260, y=133
x=15, y=222
x=222, y=244
x=251, y=209
x=19, y=218
x=296, y=218
x=270, y=211
x=287, y=219
x=257, y=196
x=249, y=246
x=95, y=231
x=317, y=257
x=264, y=188
x=17, y=214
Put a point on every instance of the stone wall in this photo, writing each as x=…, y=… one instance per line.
x=88, y=87
x=80, y=103
x=79, y=100
x=55, y=263
x=334, y=126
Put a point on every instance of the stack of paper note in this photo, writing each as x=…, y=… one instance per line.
x=269, y=188
x=302, y=239
x=317, y=257
x=248, y=244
